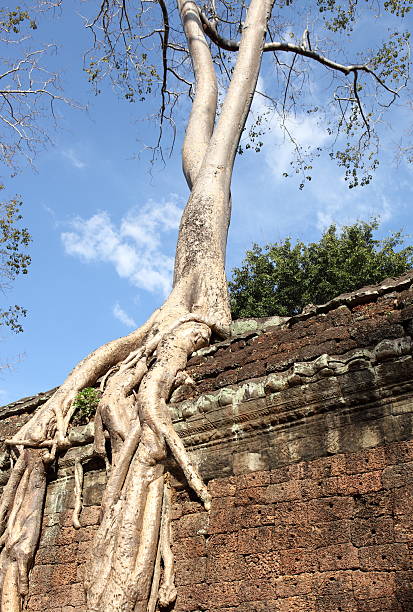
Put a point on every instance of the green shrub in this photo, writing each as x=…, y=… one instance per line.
x=85, y=403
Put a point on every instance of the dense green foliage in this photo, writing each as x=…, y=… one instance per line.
x=14, y=259
x=85, y=403
x=282, y=278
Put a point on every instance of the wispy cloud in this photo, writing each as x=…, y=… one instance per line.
x=123, y=316
x=74, y=159
x=326, y=198
x=135, y=247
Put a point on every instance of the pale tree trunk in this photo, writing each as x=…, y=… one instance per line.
x=131, y=567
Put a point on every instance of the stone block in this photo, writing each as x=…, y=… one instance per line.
x=359, y=483
x=366, y=461
x=193, y=597
x=330, y=509
x=371, y=585
x=331, y=532
x=367, y=532
x=403, y=528
x=396, y=476
x=283, y=491
x=338, y=557
x=371, y=505
x=190, y=525
x=298, y=561
x=226, y=567
x=293, y=585
x=385, y=557
x=186, y=548
x=190, y=571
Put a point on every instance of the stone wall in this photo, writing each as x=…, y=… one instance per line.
x=303, y=428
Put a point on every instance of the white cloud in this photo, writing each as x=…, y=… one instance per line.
x=135, y=248
x=74, y=159
x=123, y=316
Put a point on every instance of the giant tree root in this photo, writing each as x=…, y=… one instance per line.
x=131, y=565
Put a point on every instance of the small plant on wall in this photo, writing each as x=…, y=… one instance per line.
x=85, y=403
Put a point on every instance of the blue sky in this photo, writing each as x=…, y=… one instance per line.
x=104, y=223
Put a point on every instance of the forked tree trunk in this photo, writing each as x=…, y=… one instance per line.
x=124, y=571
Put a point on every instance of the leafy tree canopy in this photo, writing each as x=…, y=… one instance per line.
x=14, y=259
x=281, y=278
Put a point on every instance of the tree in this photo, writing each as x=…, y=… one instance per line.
x=13, y=257
x=130, y=566
x=281, y=278
x=28, y=93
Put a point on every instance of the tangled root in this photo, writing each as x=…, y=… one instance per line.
x=131, y=564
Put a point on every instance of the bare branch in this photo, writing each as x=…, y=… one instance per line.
x=303, y=50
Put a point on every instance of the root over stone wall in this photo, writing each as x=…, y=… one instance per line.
x=303, y=428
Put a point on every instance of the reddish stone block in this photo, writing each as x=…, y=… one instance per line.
x=367, y=532
x=336, y=603
x=220, y=521
x=65, y=573
x=222, y=487
x=330, y=509
x=190, y=571
x=253, y=606
x=371, y=585
x=90, y=516
x=252, y=479
x=224, y=503
x=359, y=483
x=40, y=581
x=65, y=536
x=257, y=590
x=399, y=452
x=338, y=556
x=255, y=540
x=333, y=583
x=385, y=557
x=403, y=499
x=396, y=476
x=252, y=495
x=189, y=547
x=219, y=543
x=291, y=585
x=193, y=597
x=294, y=471
x=261, y=566
x=57, y=554
x=314, y=489
x=330, y=533
x=176, y=511
x=67, y=595
x=382, y=604
x=403, y=528
x=366, y=460
x=191, y=525
x=257, y=516
x=292, y=512
x=226, y=567
x=404, y=581
x=293, y=536
x=86, y=534
x=225, y=594
x=283, y=491
x=371, y=505
x=297, y=561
